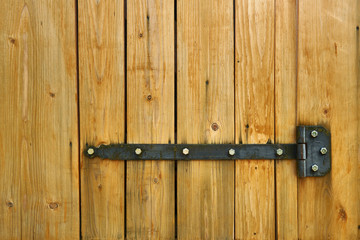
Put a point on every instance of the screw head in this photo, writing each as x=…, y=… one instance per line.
x=279, y=152
x=90, y=151
x=185, y=151
x=231, y=152
x=315, y=167
x=323, y=150
x=314, y=133
x=138, y=151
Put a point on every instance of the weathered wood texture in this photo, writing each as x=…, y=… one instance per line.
x=39, y=183
x=245, y=73
x=150, y=185
x=205, y=105
x=358, y=110
x=254, y=109
x=285, y=116
x=327, y=94
x=102, y=116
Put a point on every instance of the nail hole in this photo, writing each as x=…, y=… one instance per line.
x=149, y=97
x=140, y=35
x=156, y=180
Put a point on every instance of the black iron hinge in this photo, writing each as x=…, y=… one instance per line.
x=312, y=151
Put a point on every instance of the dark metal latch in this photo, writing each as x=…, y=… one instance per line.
x=312, y=151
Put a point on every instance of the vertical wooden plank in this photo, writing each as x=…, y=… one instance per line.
x=150, y=185
x=38, y=125
x=327, y=94
x=205, y=42
x=285, y=112
x=254, y=94
x=358, y=110
x=102, y=104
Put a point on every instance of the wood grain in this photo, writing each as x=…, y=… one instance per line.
x=327, y=94
x=150, y=185
x=254, y=110
x=38, y=125
x=358, y=110
x=205, y=105
x=285, y=112
x=102, y=116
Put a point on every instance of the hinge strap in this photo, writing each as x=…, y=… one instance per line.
x=311, y=140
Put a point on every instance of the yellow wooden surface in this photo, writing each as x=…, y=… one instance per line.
x=102, y=116
x=254, y=109
x=327, y=94
x=150, y=185
x=357, y=57
x=285, y=117
x=97, y=72
x=39, y=181
x=205, y=105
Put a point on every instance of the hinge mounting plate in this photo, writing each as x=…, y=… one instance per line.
x=312, y=151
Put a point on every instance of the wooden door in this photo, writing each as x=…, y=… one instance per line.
x=89, y=72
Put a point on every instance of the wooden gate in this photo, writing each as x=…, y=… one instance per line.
x=188, y=71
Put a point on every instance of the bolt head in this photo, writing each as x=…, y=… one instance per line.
x=231, y=152
x=90, y=151
x=138, y=151
x=323, y=150
x=315, y=167
x=279, y=152
x=185, y=151
x=314, y=133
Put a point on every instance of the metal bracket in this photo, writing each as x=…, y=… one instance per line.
x=312, y=151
